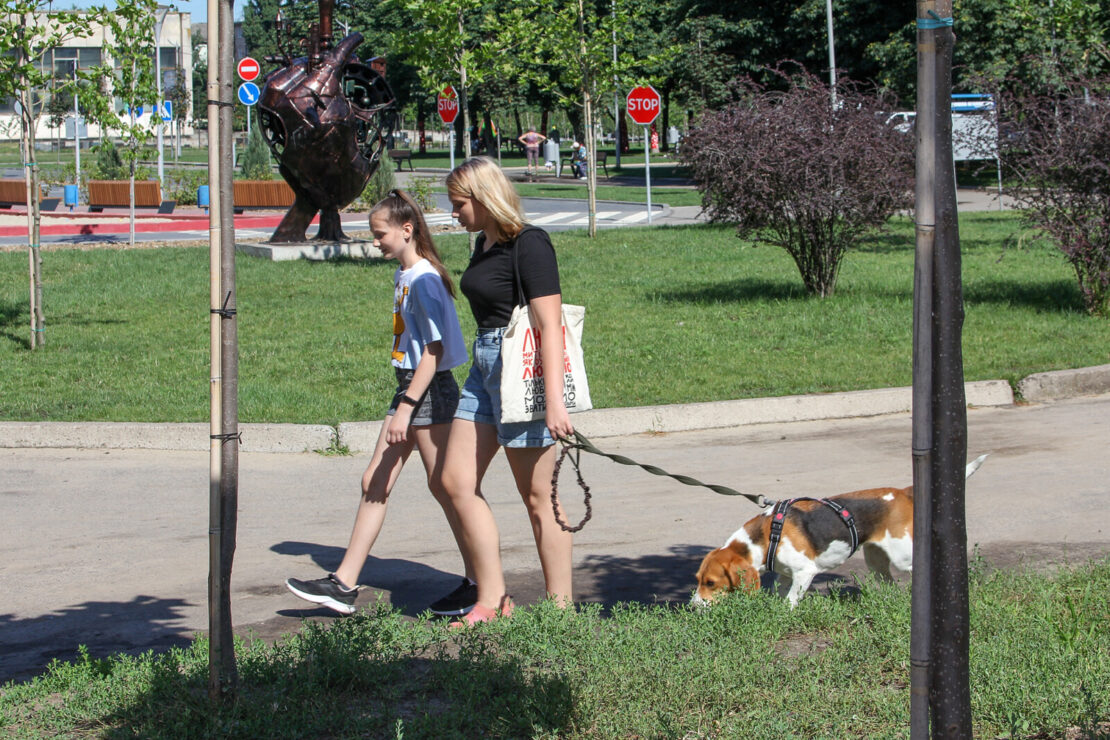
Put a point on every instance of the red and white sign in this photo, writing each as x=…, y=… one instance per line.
x=447, y=104
x=643, y=104
x=248, y=69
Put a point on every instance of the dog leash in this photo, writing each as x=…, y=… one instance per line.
x=578, y=441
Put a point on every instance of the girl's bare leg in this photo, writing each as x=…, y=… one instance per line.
x=532, y=468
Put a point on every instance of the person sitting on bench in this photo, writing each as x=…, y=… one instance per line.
x=579, y=160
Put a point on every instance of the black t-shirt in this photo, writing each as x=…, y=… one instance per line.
x=488, y=280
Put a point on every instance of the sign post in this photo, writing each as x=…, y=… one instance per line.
x=447, y=105
x=248, y=69
x=643, y=107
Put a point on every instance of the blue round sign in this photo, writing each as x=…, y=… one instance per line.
x=248, y=93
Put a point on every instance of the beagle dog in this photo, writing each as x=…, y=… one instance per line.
x=799, y=538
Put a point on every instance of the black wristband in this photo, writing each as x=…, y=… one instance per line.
x=410, y=401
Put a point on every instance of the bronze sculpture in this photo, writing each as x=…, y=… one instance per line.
x=326, y=117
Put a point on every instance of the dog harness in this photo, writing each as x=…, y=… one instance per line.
x=778, y=517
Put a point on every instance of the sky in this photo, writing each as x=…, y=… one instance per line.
x=198, y=8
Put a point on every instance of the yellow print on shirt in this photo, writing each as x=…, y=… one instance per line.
x=399, y=325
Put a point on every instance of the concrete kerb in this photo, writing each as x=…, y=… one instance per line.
x=599, y=423
x=1083, y=381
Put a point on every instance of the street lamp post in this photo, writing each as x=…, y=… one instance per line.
x=158, y=107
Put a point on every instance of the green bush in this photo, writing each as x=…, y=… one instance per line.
x=255, y=162
x=182, y=184
x=107, y=165
x=422, y=190
x=381, y=182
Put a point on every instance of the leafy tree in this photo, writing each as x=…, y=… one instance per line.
x=28, y=30
x=132, y=26
x=1060, y=164
x=793, y=171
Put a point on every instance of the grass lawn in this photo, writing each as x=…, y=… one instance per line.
x=674, y=314
x=749, y=667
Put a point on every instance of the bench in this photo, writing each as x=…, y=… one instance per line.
x=271, y=194
x=400, y=156
x=116, y=194
x=602, y=158
x=13, y=192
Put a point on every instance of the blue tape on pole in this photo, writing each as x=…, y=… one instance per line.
x=933, y=23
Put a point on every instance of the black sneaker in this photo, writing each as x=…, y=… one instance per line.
x=458, y=602
x=326, y=591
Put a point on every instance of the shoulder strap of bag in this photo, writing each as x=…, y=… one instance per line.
x=520, y=301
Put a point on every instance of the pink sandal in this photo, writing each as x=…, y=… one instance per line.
x=484, y=614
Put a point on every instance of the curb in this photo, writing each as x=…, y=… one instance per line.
x=1083, y=381
x=361, y=436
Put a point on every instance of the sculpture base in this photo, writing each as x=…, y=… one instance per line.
x=317, y=251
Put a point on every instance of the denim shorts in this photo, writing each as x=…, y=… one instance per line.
x=480, y=401
x=439, y=402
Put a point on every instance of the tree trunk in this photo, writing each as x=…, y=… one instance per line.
x=587, y=114
x=34, y=219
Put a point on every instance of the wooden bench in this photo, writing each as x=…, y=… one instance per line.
x=400, y=156
x=271, y=194
x=602, y=158
x=116, y=194
x=13, y=192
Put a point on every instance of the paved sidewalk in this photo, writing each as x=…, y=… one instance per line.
x=109, y=548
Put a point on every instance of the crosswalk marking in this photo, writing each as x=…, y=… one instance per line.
x=553, y=217
x=633, y=218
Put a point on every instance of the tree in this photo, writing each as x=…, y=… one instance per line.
x=132, y=26
x=793, y=171
x=1060, y=163
x=576, y=44
x=29, y=30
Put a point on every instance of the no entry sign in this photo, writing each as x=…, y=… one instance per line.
x=643, y=104
x=248, y=69
x=447, y=104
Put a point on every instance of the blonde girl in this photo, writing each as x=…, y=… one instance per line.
x=484, y=202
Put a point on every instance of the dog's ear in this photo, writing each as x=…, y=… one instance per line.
x=738, y=563
x=749, y=579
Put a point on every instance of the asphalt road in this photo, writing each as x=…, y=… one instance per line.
x=109, y=548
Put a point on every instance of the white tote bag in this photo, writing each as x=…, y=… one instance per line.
x=522, y=381
x=522, y=371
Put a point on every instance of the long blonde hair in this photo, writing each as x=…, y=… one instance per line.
x=399, y=209
x=481, y=178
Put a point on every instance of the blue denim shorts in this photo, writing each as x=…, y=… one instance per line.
x=480, y=400
x=438, y=404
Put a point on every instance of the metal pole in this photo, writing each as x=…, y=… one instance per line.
x=76, y=129
x=158, y=85
x=832, y=50
x=647, y=170
x=616, y=92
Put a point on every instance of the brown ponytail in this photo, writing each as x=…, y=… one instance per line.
x=399, y=208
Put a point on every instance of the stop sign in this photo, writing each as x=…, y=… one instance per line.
x=643, y=104
x=447, y=104
x=248, y=69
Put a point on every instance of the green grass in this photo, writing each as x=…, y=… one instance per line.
x=836, y=667
x=674, y=314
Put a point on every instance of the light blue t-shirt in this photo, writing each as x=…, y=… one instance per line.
x=423, y=312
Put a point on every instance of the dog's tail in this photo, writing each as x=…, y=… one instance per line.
x=974, y=465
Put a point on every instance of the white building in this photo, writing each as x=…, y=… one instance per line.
x=175, y=58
